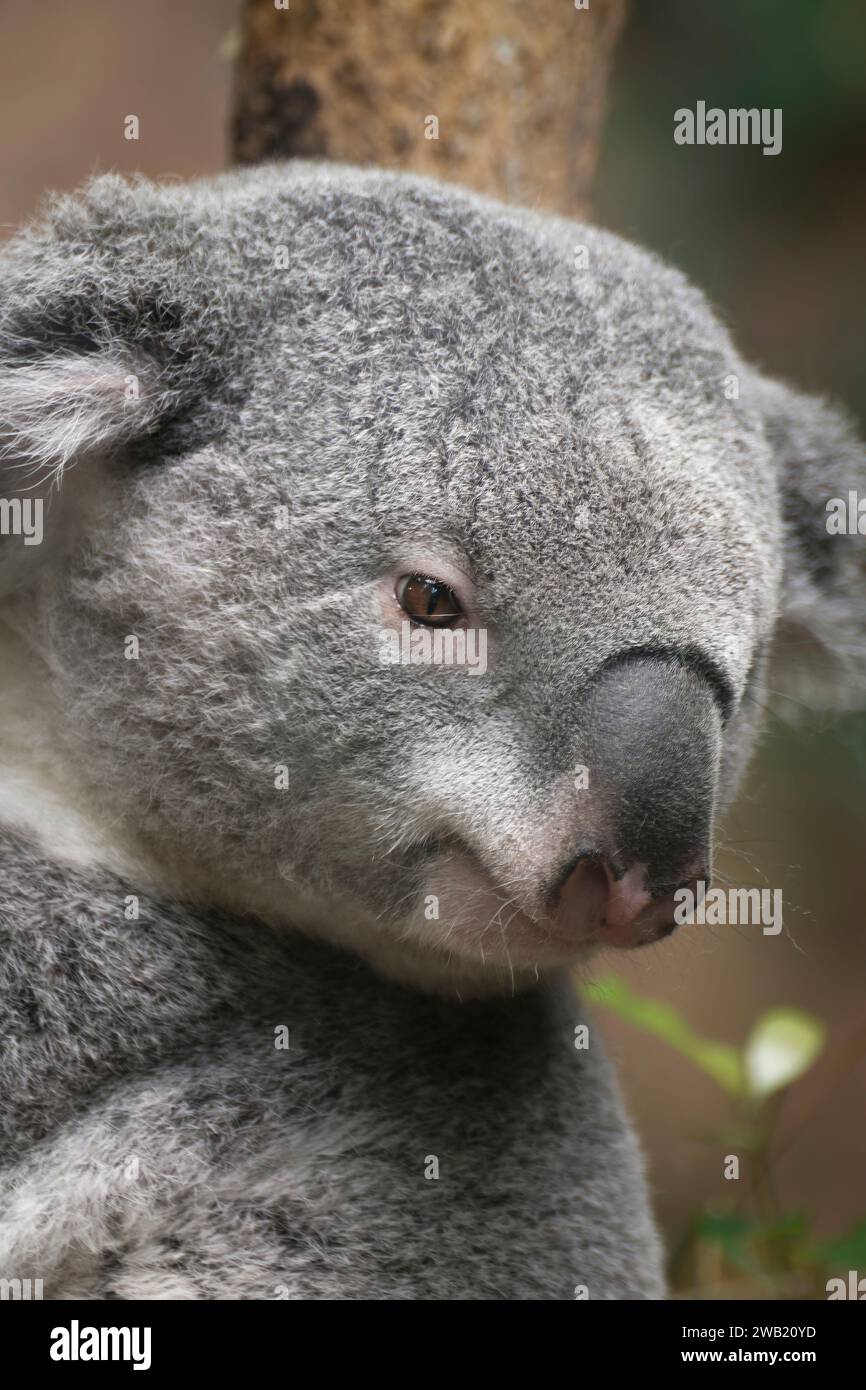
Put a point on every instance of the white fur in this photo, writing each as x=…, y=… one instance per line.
x=59, y=410
x=40, y=794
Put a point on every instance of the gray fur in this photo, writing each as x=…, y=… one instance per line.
x=157, y=1144
x=431, y=379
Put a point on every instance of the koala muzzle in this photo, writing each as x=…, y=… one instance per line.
x=650, y=734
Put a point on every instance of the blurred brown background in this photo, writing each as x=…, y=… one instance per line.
x=778, y=244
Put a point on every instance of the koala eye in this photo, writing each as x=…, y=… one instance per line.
x=427, y=600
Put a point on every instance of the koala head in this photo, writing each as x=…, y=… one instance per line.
x=415, y=569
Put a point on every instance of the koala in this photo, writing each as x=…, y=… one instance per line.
x=294, y=883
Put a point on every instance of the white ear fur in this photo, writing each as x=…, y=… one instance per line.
x=60, y=409
x=62, y=416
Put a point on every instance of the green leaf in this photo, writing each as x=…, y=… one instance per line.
x=760, y=1247
x=788, y=1225
x=848, y=1250
x=719, y=1060
x=782, y=1046
x=726, y=1229
x=733, y=1235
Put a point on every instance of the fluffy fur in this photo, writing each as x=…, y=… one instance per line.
x=249, y=404
x=156, y=1143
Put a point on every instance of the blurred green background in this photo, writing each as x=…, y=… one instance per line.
x=777, y=243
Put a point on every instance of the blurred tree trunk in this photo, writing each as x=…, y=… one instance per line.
x=503, y=95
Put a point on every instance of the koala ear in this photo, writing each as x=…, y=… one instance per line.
x=113, y=329
x=90, y=355
x=63, y=407
x=68, y=400
x=115, y=344
x=818, y=657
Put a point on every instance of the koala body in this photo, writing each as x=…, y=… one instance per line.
x=198, y=1108
x=265, y=412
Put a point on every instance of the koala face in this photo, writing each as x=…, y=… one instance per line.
x=417, y=561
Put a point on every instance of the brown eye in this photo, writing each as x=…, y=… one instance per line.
x=428, y=600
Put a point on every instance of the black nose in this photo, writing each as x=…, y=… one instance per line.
x=650, y=738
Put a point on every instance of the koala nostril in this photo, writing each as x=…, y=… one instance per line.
x=628, y=896
x=580, y=901
x=622, y=910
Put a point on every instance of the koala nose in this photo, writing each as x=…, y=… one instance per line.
x=650, y=734
x=620, y=911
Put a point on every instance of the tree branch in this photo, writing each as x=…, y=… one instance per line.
x=513, y=91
